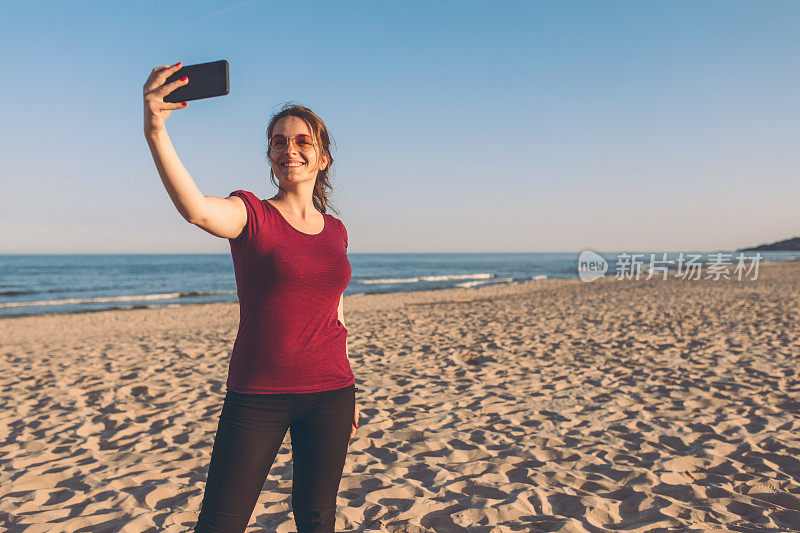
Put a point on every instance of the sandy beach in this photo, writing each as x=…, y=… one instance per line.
x=544, y=406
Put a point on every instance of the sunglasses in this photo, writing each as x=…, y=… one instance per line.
x=279, y=143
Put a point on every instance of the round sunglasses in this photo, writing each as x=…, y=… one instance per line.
x=279, y=143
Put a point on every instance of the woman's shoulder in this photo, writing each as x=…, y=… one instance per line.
x=252, y=202
x=256, y=214
x=245, y=194
x=336, y=220
x=340, y=227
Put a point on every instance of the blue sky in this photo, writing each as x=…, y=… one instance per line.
x=459, y=126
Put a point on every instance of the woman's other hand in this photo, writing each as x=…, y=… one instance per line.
x=156, y=110
x=355, y=423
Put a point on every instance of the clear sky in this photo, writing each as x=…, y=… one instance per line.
x=459, y=126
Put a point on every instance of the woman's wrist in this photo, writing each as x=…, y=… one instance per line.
x=154, y=133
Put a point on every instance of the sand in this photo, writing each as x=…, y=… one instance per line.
x=543, y=406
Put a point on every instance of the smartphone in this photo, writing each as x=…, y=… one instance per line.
x=205, y=80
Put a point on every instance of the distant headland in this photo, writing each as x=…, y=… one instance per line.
x=789, y=245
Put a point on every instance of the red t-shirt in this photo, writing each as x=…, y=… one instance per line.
x=289, y=283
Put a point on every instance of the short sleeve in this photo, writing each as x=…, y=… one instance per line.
x=255, y=215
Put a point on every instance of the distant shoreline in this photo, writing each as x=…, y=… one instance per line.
x=788, y=245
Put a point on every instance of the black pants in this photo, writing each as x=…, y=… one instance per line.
x=250, y=432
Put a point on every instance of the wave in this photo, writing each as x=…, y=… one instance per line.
x=417, y=279
x=467, y=284
x=129, y=298
x=15, y=293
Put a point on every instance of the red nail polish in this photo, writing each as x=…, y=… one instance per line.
x=184, y=104
x=184, y=78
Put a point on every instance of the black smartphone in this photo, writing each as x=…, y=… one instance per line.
x=205, y=80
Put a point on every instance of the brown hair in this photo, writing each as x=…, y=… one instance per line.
x=323, y=137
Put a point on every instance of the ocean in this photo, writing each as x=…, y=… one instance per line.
x=38, y=284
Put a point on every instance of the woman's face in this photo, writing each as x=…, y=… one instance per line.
x=290, y=164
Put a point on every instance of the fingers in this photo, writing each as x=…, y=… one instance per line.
x=354, y=425
x=164, y=90
x=168, y=106
x=160, y=74
x=165, y=72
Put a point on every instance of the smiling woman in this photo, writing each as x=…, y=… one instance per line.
x=291, y=267
x=289, y=369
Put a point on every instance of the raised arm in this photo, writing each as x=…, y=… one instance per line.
x=222, y=217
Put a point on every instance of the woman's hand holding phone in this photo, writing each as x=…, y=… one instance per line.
x=156, y=110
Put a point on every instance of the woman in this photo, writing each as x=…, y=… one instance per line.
x=289, y=368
